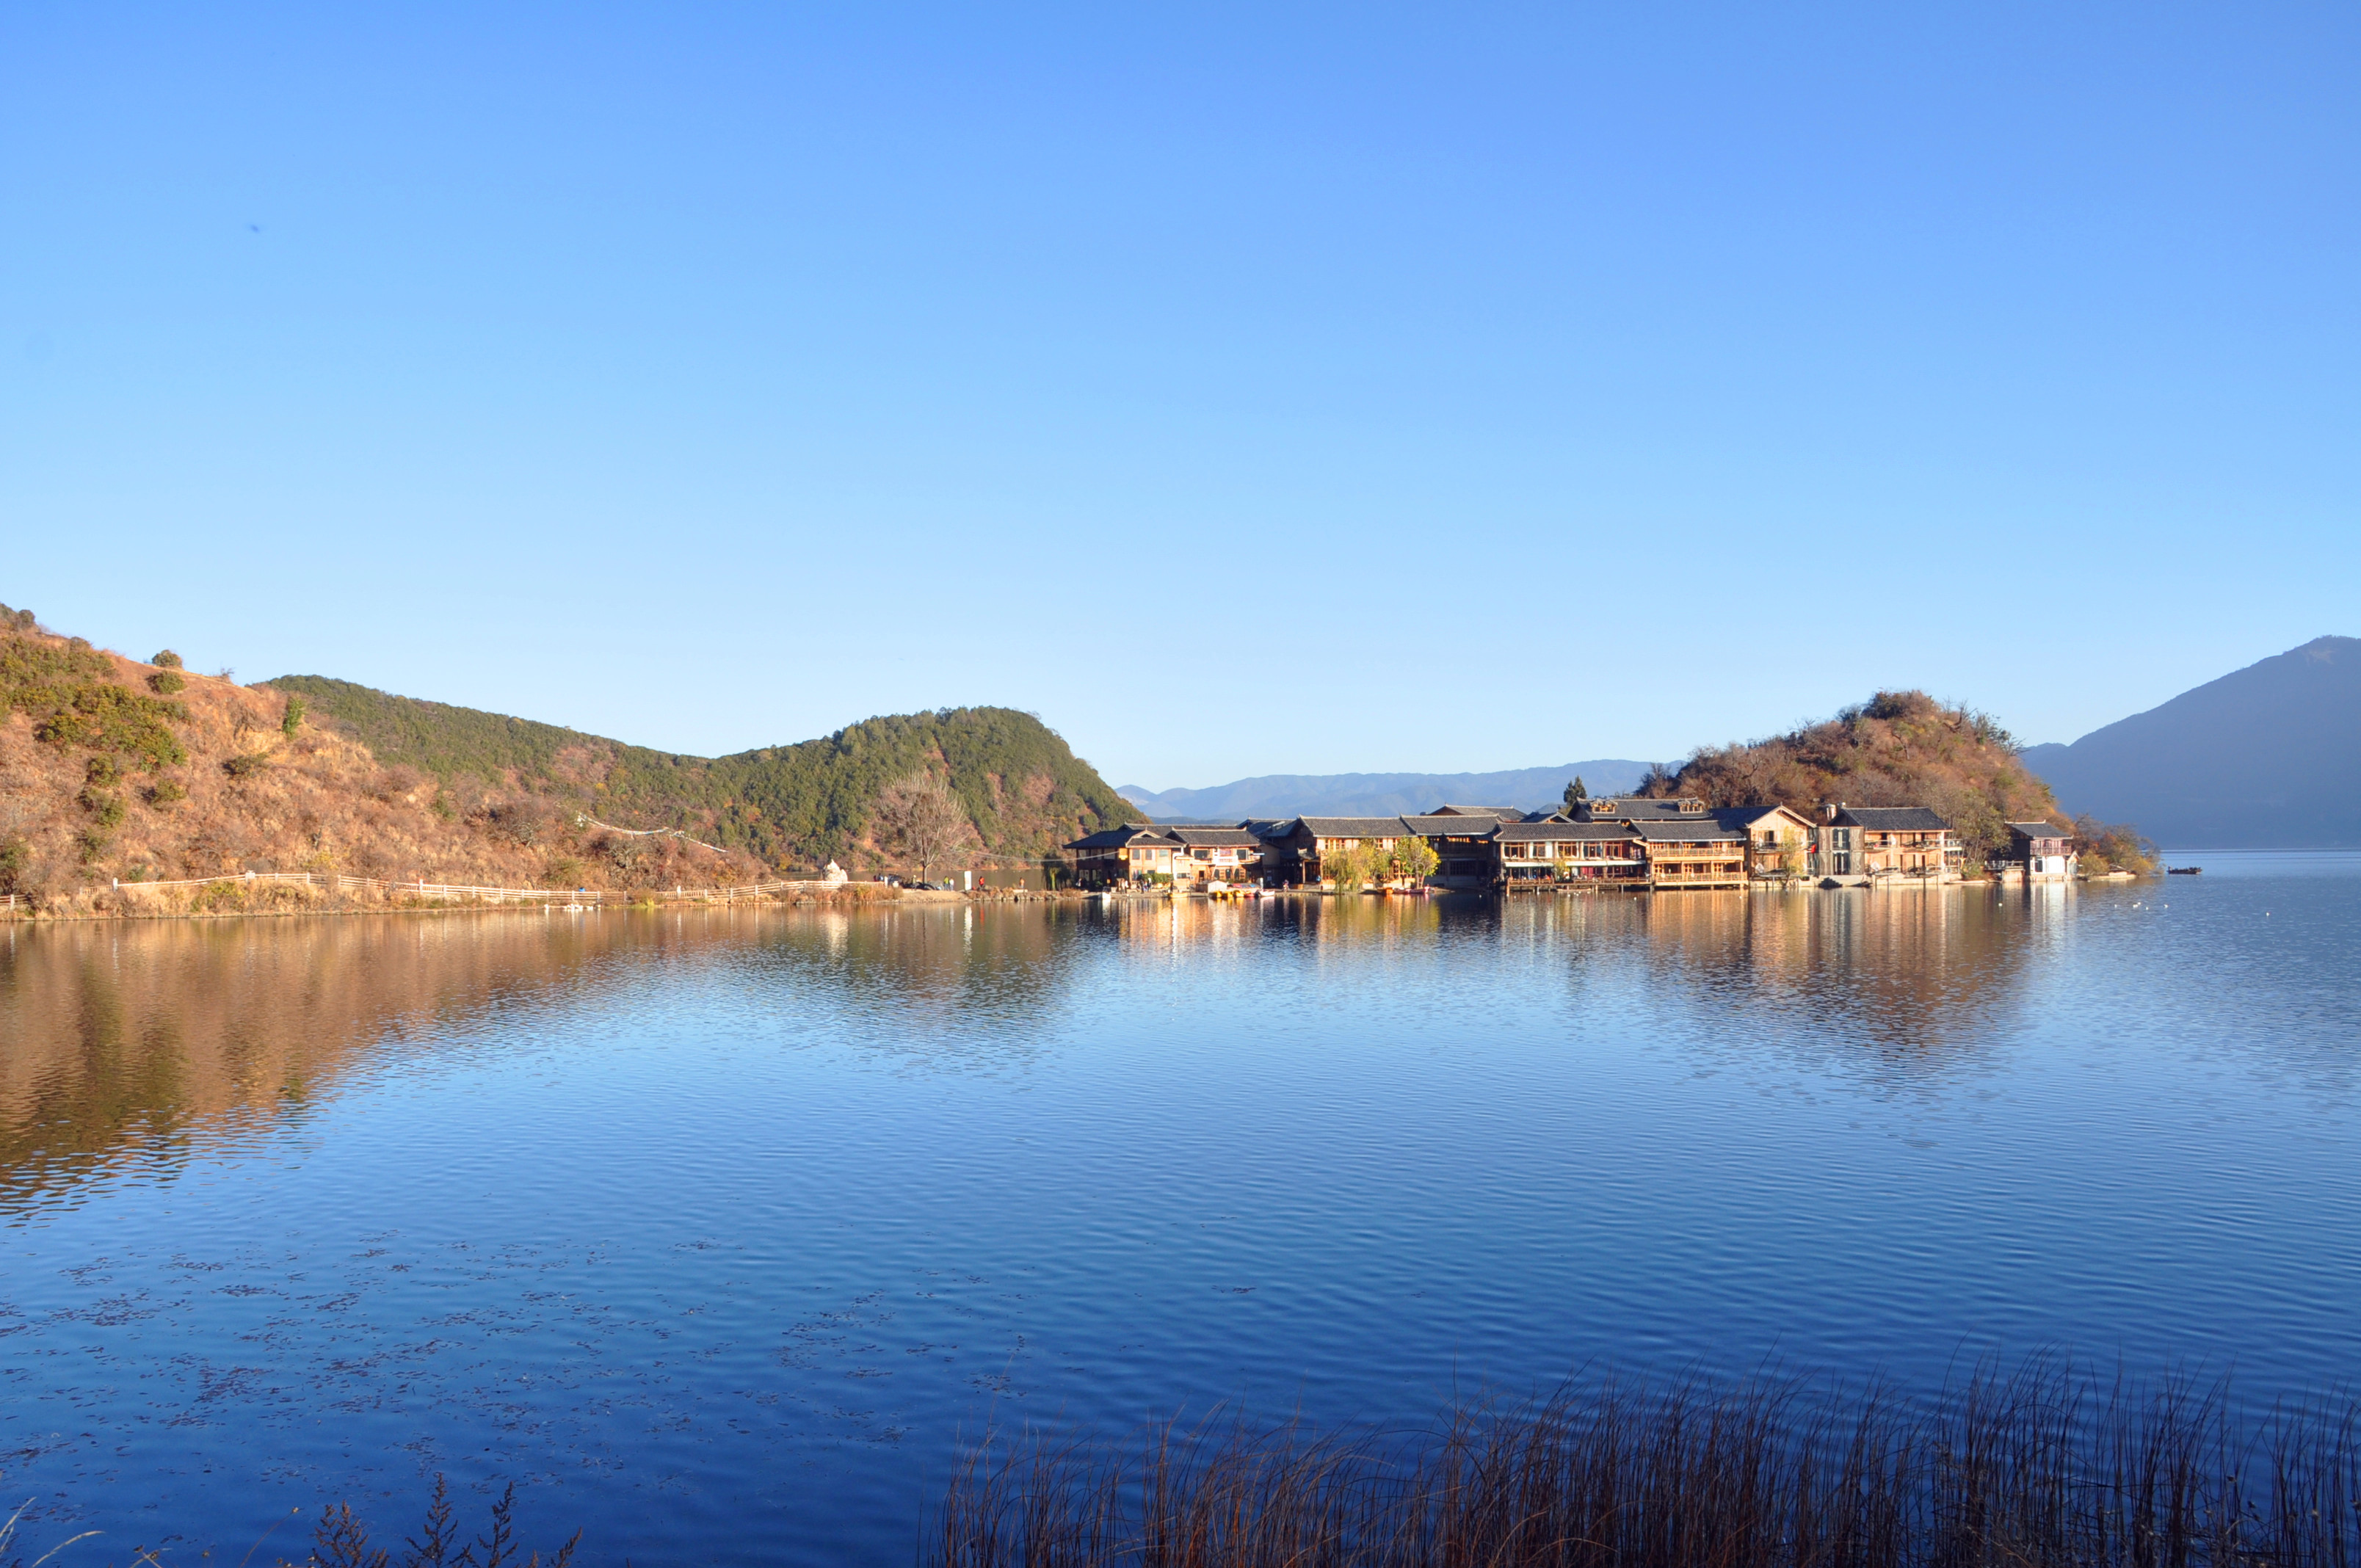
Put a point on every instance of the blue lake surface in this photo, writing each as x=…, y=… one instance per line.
x=718, y=1232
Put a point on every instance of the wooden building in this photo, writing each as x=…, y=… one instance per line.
x=1142, y=852
x=1699, y=852
x=1855, y=844
x=1778, y=840
x=2041, y=851
x=1217, y=854
x=1114, y=856
x=1554, y=851
x=1297, y=849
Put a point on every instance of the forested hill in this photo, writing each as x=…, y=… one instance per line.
x=1022, y=786
x=1897, y=749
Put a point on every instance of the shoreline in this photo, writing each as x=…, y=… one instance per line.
x=603, y=899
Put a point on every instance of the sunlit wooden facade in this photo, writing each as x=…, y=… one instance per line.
x=1621, y=843
x=1882, y=843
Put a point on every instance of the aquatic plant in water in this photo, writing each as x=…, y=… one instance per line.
x=2048, y=1466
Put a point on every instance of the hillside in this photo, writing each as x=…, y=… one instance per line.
x=1897, y=749
x=1022, y=787
x=2267, y=757
x=1383, y=795
x=115, y=768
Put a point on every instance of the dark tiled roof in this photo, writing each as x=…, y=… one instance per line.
x=1116, y=837
x=1617, y=809
x=1498, y=813
x=1562, y=833
x=1215, y=838
x=1891, y=818
x=1431, y=826
x=2041, y=829
x=1355, y=826
x=1695, y=830
x=1748, y=815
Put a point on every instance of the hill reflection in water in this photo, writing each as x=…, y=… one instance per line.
x=133, y=1043
x=132, y=1046
x=715, y=1229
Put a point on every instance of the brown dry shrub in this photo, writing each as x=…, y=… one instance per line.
x=392, y=783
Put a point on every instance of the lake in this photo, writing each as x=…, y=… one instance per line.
x=717, y=1231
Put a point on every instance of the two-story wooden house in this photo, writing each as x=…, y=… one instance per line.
x=1113, y=856
x=1856, y=844
x=2041, y=851
x=1682, y=841
x=1554, y=851
x=1141, y=852
x=1699, y=852
x=1778, y=840
x=1296, y=851
x=1217, y=854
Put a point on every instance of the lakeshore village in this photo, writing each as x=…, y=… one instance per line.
x=1619, y=844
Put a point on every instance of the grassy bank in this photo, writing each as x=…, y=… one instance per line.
x=2045, y=1467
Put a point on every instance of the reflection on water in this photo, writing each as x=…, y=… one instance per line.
x=715, y=1227
x=130, y=1044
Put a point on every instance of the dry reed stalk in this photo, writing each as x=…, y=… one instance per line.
x=2044, y=1467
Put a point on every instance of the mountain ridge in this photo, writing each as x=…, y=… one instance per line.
x=116, y=772
x=1022, y=786
x=2268, y=756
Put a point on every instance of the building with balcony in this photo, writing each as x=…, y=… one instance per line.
x=1699, y=852
x=2041, y=851
x=1142, y=852
x=1875, y=844
x=1554, y=851
x=1778, y=840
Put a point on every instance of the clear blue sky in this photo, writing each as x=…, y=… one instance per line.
x=1243, y=391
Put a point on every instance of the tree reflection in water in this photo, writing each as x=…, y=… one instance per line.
x=131, y=1044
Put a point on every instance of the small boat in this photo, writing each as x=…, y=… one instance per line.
x=2184, y=871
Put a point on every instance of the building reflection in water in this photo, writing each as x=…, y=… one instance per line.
x=1897, y=984
x=127, y=1047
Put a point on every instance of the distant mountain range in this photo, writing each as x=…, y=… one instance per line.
x=2267, y=757
x=1382, y=794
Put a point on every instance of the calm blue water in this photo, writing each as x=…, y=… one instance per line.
x=716, y=1232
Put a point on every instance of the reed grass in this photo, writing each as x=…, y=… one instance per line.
x=341, y=1540
x=2042, y=1467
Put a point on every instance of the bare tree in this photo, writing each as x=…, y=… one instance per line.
x=920, y=817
